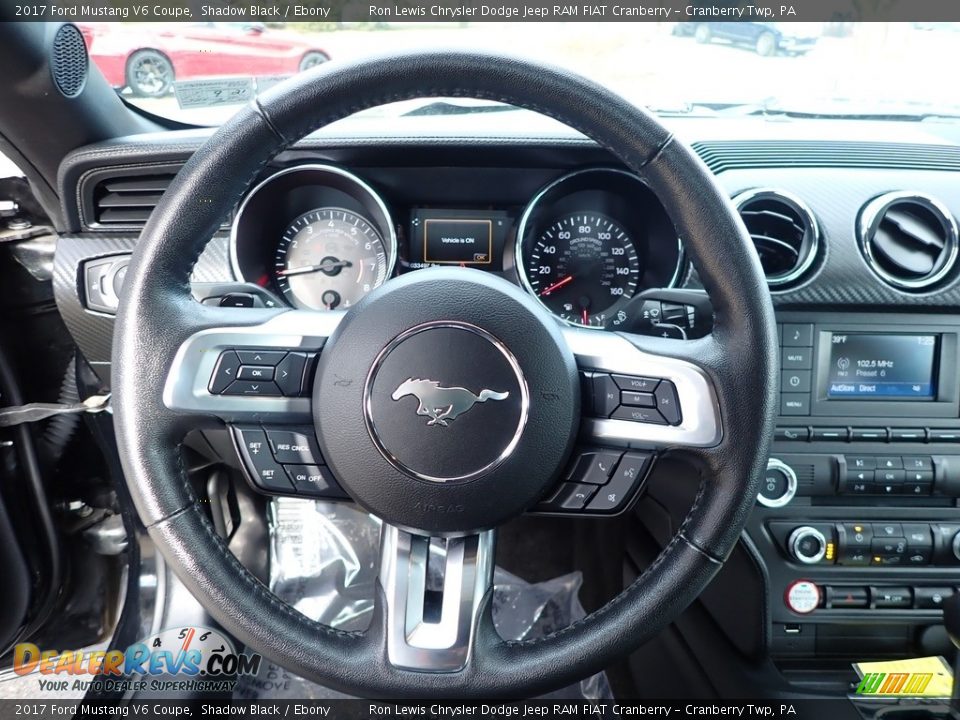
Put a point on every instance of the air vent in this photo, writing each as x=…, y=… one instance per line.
x=127, y=201
x=908, y=239
x=784, y=232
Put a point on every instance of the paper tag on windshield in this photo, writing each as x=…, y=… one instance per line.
x=916, y=677
x=210, y=93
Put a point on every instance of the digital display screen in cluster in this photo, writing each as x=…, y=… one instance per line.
x=458, y=237
x=892, y=367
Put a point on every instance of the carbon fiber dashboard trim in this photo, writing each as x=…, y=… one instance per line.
x=93, y=331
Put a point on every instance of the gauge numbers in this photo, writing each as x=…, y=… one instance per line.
x=583, y=267
x=329, y=258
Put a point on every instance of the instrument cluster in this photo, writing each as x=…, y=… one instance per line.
x=322, y=238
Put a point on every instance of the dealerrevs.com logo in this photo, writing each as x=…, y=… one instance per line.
x=186, y=658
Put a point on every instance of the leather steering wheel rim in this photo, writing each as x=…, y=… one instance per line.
x=158, y=314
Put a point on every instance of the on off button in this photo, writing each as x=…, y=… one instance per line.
x=803, y=597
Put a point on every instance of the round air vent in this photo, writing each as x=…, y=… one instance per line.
x=68, y=60
x=784, y=231
x=908, y=239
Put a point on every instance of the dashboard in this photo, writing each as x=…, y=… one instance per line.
x=854, y=541
x=321, y=238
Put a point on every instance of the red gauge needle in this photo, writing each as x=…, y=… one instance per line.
x=558, y=284
x=585, y=316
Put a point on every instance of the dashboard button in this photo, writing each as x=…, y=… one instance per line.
x=917, y=489
x=289, y=373
x=291, y=447
x=637, y=384
x=889, y=463
x=265, y=472
x=255, y=372
x=253, y=388
x=571, y=496
x=918, y=476
x=794, y=404
x=637, y=399
x=930, y=598
x=795, y=381
x=621, y=487
x=888, y=477
x=796, y=358
x=885, y=530
x=797, y=335
x=836, y=434
x=892, y=597
x=943, y=435
x=793, y=434
x=918, y=536
x=314, y=481
x=860, y=462
x=643, y=415
x=594, y=466
x=847, y=596
x=886, y=546
x=606, y=395
x=667, y=403
x=908, y=435
x=917, y=462
x=802, y=597
x=261, y=357
x=868, y=434
x=225, y=372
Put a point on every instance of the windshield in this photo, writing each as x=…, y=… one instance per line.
x=199, y=73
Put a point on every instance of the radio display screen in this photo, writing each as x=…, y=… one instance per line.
x=891, y=367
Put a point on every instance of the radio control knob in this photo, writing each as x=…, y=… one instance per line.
x=956, y=546
x=807, y=545
x=779, y=484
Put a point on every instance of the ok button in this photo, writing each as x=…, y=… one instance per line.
x=255, y=372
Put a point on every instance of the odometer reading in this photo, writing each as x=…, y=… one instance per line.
x=583, y=267
x=330, y=258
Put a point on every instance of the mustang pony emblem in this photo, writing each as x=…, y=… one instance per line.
x=442, y=404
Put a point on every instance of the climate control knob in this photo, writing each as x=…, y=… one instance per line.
x=807, y=545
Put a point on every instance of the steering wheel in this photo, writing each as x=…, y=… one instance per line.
x=432, y=474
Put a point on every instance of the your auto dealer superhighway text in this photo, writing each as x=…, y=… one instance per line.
x=476, y=12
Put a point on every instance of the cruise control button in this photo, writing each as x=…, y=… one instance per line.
x=255, y=372
x=622, y=485
x=253, y=388
x=638, y=384
x=643, y=415
x=289, y=373
x=225, y=372
x=594, y=467
x=291, y=447
x=265, y=472
x=261, y=357
x=315, y=481
x=667, y=403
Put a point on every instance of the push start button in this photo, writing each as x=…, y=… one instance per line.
x=803, y=597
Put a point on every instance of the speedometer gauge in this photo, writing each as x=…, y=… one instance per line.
x=330, y=258
x=583, y=267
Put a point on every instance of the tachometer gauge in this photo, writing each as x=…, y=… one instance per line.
x=582, y=267
x=330, y=258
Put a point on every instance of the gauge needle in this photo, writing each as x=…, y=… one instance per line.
x=315, y=268
x=585, y=316
x=557, y=284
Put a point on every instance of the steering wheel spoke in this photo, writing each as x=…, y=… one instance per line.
x=434, y=590
x=250, y=373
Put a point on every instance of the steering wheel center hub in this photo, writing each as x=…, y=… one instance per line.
x=446, y=401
